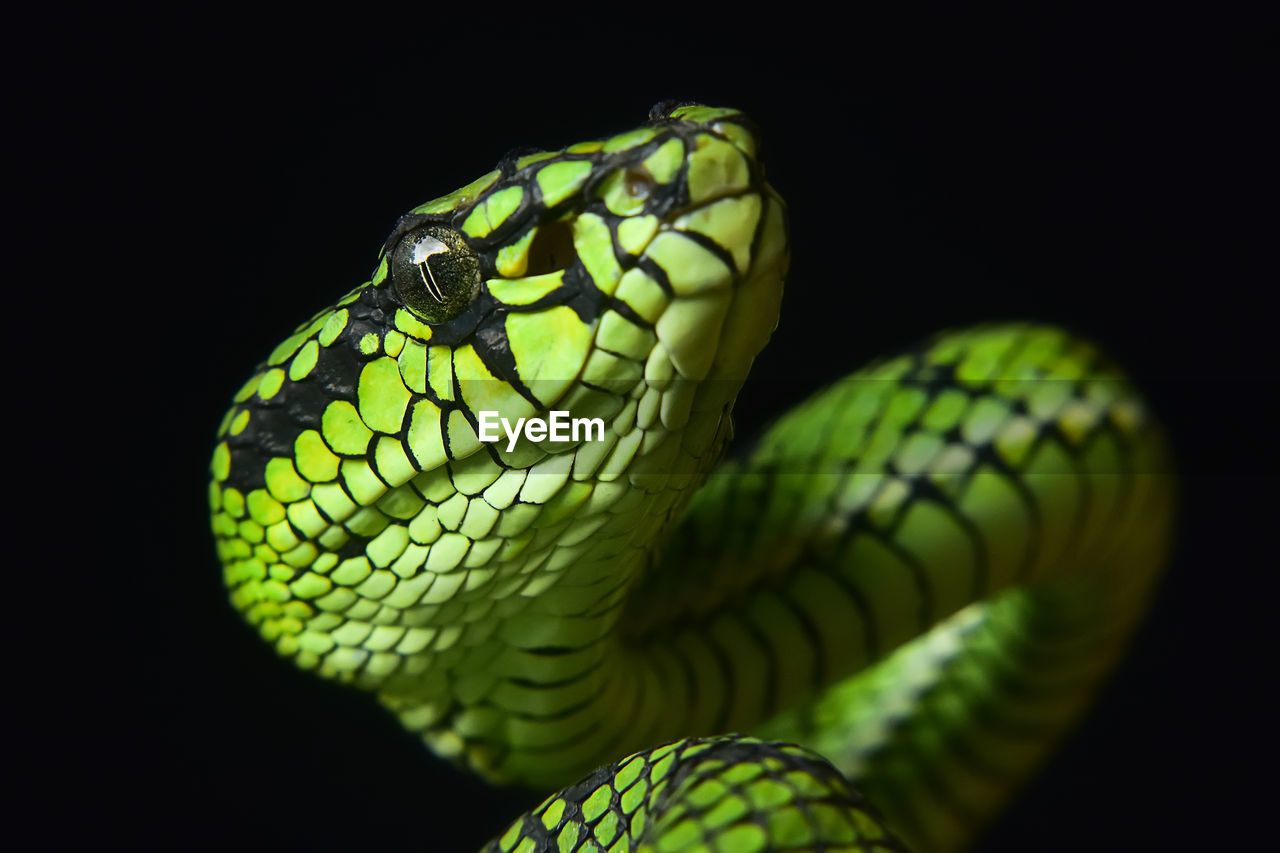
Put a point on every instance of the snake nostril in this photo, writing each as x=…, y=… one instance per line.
x=638, y=182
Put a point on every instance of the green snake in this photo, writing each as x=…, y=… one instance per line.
x=906, y=590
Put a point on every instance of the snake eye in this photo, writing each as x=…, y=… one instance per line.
x=435, y=272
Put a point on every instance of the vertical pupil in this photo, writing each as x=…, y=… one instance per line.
x=430, y=281
x=422, y=252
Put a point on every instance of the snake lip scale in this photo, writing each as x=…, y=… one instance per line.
x=907, y=590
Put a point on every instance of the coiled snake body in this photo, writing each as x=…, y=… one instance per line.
x=920, y=574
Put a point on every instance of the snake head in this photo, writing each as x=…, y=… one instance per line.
x=631, y=279
x=365, y=524
x=645, y=263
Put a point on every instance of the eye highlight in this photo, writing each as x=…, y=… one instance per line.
x=435, y=272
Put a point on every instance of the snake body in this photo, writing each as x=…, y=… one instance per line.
x=919, y=575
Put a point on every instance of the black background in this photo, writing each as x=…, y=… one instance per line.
x=1110, y=176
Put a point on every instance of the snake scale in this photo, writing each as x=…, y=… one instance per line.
x=906, y=590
